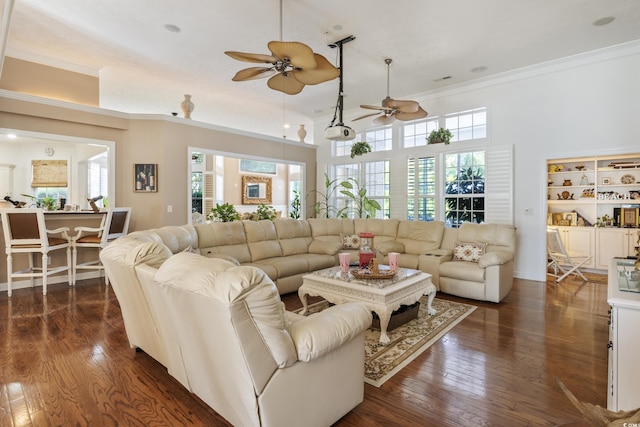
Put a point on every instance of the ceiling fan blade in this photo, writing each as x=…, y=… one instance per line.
x=324, y=71
x=375, y=107
x=253, y=73
x=384, y=120
x=251, y=57
x=285, y=83
x=300, y=55
x=365, y=116
x=411, y=116
x=404, y=106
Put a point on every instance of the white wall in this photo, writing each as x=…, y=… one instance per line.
x=580, y=106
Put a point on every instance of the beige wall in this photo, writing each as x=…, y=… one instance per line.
x=163, y=140
x=49, y=82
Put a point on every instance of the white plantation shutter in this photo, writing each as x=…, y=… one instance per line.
x=398, y=188
x=498, y=203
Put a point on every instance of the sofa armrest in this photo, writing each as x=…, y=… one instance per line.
x=323, y=332
x=494, y=258
x=390, y=246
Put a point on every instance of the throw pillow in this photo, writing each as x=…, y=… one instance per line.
x=467, y=251
x=350, y=241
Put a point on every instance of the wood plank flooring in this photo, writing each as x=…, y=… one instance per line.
x=65, y=360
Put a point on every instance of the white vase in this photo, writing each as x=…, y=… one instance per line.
x=302, y=133
x=187, y=106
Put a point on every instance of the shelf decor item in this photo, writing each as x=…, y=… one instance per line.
x=628, y=179
x=145, y=178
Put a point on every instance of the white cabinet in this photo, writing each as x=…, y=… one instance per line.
x=599, y=190
x=614, y=242
x=580, y=240
x=624, y=346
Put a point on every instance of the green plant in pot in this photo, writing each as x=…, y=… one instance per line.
x=224, y=213
x=360, y=148
x=323, y=207
x=295, y=206
x=361, y=205
x=442, y=135
x=266, y=212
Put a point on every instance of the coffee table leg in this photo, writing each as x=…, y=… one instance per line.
x=303, y=297
x=384, y=316
x=431, y=294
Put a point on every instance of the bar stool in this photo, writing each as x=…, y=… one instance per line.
x=114, y=224
x=25, y=232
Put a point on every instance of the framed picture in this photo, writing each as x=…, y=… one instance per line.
x=629, y=217
x=606, y=181
x=145, y=176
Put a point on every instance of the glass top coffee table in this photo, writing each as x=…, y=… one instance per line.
x=382, y=296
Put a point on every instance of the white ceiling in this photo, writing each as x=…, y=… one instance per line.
x=144, y=68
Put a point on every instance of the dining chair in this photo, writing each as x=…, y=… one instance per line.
x=114, y=224
x=25, y=232
x=567, y=262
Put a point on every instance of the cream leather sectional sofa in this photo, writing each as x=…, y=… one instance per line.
x=287, y=249
x=204, y=301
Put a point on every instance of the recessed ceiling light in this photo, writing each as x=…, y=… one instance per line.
x=172, y=28
x=12, y=136
x=604, y=21
x=479, y=69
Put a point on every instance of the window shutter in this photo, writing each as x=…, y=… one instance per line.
x=48, y=173
x=499, y=185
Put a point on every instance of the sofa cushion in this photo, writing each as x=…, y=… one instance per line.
x=192, y=272
x=294, y=236
x=223, y=238
x=497, y=257
x=227, y=283
x=468, y=251
x=390, y=246
x=462, y=270
x=178, y=237
x=262, y=239
x=350, y=241
x=150, y=253
x=383, y=229
x=324, y=247
x=420, y=237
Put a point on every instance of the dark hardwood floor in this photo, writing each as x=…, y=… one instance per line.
x=65, y=360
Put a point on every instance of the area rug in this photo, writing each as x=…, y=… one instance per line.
x=408, y=341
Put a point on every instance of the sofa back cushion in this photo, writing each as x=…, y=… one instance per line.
x=496, y=236
x=418, y=237
x=178, y=237
x=294, y=236
x=262, y=239
x=226, y=238
x=330, y=229
x=383, y=229
x=247, y=287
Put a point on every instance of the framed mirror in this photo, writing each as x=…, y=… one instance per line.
x=256, y=190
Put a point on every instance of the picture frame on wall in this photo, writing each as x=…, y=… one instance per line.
x=145, y=177
x=606, y=181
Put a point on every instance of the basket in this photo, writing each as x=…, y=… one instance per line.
x=373, y=272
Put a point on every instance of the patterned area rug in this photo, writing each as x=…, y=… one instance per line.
x=408, y=341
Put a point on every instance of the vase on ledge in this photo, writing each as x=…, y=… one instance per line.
x=187, y=106
x=302, y=133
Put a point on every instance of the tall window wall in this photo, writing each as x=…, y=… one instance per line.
x=443, y=182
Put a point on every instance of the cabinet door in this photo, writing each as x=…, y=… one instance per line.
x=626, y=384
x=610, y=243
x=633, y=240
x=580, y=240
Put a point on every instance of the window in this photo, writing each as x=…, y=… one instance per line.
x=376, y=182
x=421, y=189
x=196, y=192
x=342, y=148
x=343, y=173
x=415, y=134
x=378, y=139
x=97, y=176
x=464, y=187
x=466, y=125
